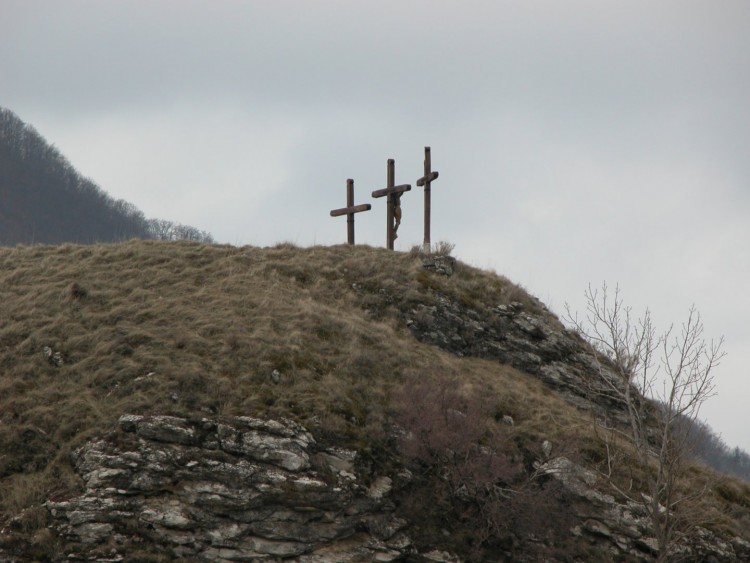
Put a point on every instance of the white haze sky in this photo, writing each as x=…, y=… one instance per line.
x=577, y=141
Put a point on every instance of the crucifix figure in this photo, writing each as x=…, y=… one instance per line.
x=350, y=210
x=394, y=194
x=425, y=181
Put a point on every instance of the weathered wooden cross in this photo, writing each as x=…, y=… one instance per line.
x=425, y=181
x=393, y=203
x=350, y=210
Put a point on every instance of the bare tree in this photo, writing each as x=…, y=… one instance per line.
x=661, y=381
x=162, y=229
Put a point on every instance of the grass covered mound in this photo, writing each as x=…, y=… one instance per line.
x=318, y=334
x=190, y=329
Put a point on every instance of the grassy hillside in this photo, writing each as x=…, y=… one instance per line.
x=315, y=334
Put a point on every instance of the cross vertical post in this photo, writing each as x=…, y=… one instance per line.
x=393, y=203
x=350, y=210
x=350, y=216
x=391, y=180
x=425, y=181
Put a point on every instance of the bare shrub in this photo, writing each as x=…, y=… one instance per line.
x=443, y=248
x=473, y=471
x=440, y=248
x=661, y=381
x=447, y=428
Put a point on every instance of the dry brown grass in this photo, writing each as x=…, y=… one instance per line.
x=189, y=329
x=184, y=328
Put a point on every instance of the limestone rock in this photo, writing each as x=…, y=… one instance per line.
x=54, y=358
x=238, y=489
x=547, y=449
x=439, y=264
x=528, y=338
x=626, y=527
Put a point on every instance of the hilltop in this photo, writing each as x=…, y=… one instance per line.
x=412, y=406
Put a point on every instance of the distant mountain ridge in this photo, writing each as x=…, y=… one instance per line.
x=44, y=199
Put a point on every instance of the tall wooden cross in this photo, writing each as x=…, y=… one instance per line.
x=350, y=210
x=425, y=181
x=393, y=203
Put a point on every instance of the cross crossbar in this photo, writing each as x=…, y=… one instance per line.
x=427, y=179
x=392, y=190
x=349, y=210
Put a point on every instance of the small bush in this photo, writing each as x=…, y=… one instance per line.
x=442, y=248
x=472, y=473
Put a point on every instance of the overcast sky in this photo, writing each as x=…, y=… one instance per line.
x=577, y=142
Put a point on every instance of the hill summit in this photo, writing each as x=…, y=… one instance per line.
x=168, y=401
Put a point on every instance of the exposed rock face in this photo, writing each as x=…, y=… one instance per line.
x=243, y=489
x=625, y=528
x=532, y=341
x=439, y=264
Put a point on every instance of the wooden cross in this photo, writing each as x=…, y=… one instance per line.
x=350, y=210
x=425, y=181
x=393, y=203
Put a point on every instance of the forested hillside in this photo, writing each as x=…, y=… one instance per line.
x=715, y=452
x=44, y=199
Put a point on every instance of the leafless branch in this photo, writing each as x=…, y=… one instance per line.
x=662, y=381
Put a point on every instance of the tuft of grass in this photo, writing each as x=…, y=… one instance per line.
x=440, y=248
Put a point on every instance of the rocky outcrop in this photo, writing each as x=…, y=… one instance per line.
x=530, y=339
x=624, y=528
x=439, y=264
x=245, y=489
x=240, y=489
